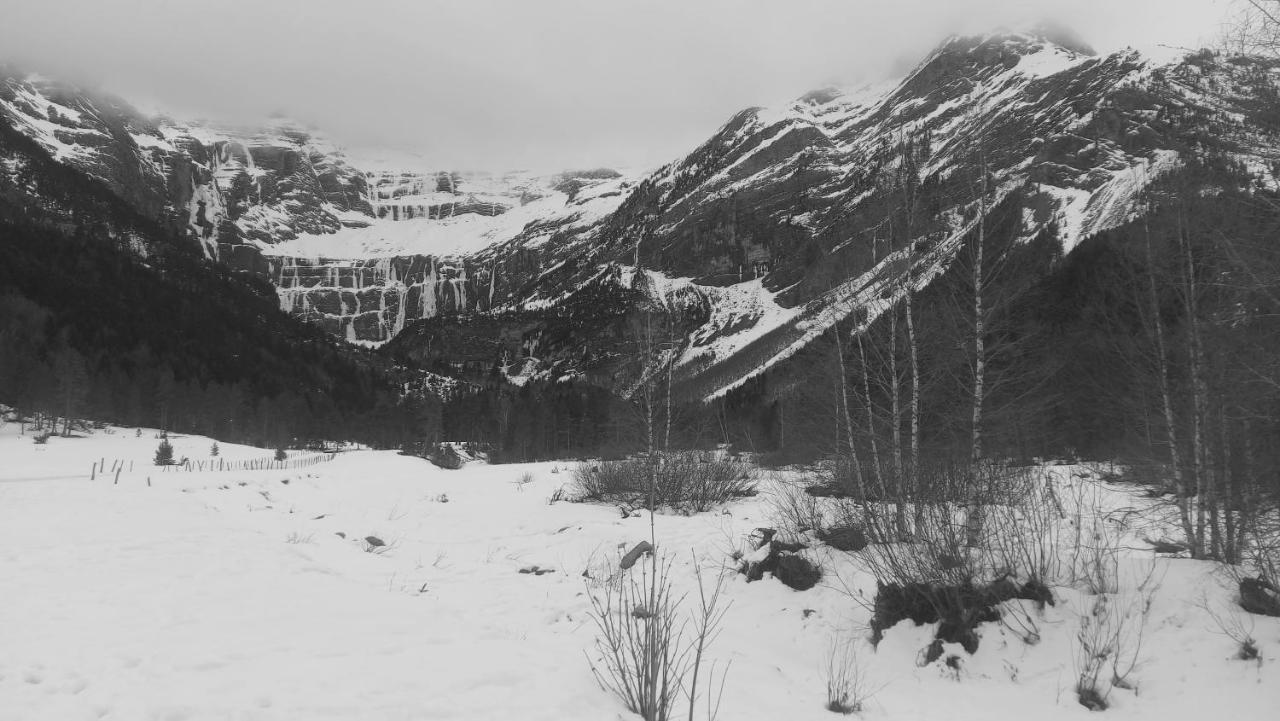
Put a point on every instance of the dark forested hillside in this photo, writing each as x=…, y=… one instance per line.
x=1156, y=343
x=108, y=314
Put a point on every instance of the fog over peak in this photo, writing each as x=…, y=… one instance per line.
x=548, y=84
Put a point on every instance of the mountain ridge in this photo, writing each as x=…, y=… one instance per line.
x=783, y=223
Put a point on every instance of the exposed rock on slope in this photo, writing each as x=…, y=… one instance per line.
x=782, y=224
x=786, y=221
x=224, y=185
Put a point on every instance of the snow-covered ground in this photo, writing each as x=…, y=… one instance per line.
x=463, y=234
x=231, y=595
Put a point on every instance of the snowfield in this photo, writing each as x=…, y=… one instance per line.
x=235, y=595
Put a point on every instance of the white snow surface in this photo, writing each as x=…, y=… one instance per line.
x=459, y=235
x=228, y=595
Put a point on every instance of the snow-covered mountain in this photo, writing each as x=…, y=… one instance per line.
x=356, y=250
x=224, y=185
x=789, y=220
x=783, y=223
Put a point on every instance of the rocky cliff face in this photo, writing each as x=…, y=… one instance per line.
x=419, y=257
x=229, y=189
x=372, y=300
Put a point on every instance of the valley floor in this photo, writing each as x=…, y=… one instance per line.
x=235, y=595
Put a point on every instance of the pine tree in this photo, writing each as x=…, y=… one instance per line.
x=213, y=450
x=164, y=454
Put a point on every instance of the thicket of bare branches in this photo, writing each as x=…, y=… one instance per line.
x=687, y=481
x=848, y=689
x=1109, y=642
x=650, y=654
x=1253, y=27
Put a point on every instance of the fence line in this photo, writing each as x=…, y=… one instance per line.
x=266, y=463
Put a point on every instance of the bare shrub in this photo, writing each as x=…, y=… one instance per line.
x=974, y=538
x=706, y=628
x=694, y=482
x=846, y=526
x=1097, y=542
x=687, y=481
x=847, y=687
x=623, y=480
x=523, y=480
x=1024, y=535
x=837, y=522
x=650, y=654
x=794, y=511
x=300, y=538
x=1108, y=644
x=1261, y=544
x=1237, y=626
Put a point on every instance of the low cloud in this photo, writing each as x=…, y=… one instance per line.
x=546, y=84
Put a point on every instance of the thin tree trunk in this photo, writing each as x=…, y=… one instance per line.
x=911, y=475
x=979, y=324
x=895, y=385
x=848, y=420
x=782, y=423
x=1199, y=394
x=976, y=514
x=1227, y=548
x=666, y=440
x=915, y=386
x=876, y=464
x=1248, y=496
x=1162, y=357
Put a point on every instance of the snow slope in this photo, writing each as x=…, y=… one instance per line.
x=231, y=596
x=451, y=236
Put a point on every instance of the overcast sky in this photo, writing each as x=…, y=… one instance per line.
x=525, y=83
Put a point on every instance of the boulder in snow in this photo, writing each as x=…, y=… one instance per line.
x=1260, y=597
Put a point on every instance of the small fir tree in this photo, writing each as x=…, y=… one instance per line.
x=164, y=454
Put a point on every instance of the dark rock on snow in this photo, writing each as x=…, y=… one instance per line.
x=1260, y=597
x=634, y=554
x=782, y=560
